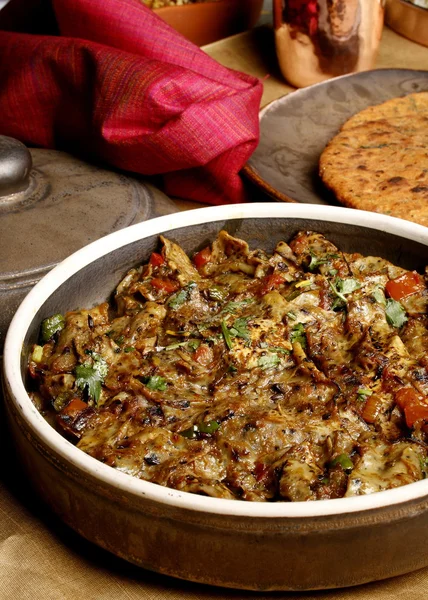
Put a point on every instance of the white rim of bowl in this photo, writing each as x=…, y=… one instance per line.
x=108, y=475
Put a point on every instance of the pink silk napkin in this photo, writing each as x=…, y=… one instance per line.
x=119, y=85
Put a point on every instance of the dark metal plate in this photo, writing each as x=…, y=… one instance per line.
x=295, y=129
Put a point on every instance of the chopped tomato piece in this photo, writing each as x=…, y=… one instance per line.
x=270, y=282
x=165, y=285
x=414, y=405
x=73, y=408
x=407, y=284
x=203, y=354
x=371, y=408
x=157, y=260
x=202, y=257
x=70, y=415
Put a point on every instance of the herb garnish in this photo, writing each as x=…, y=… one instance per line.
x=379, y=296
x=175, y=345
x=317, y=261
x=155, y=382
x=298, y=334
x=240, y=329
x=226, y=334
x=268, y=360
x=182, y=296
x=90, y=376
x=341, y=288
x=395, y=313
x=233, y=306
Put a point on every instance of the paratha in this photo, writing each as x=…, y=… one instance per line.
x=379, y=159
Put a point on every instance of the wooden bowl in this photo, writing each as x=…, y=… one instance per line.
x=262, y=546
x=206, y=22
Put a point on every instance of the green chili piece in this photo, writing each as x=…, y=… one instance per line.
x=217, y=294
x=193, y=432
x=209, y=427
x=344, y=461
x=155, y=382
x=51, y=326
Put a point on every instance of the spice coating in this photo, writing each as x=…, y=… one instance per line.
x=292, y=376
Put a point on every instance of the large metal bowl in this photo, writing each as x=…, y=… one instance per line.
x=260, y=546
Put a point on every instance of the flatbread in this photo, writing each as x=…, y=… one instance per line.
x=379, y=159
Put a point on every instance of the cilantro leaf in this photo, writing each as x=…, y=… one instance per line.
x=91, y=376
x=298, y=334
x=279, y=349
x=226, y=334
x=343, y=287
x=379, y=296
x=346, y=286
x=240, y=329
x=395, y=313
x=182, y=296
x=268, y=360
x=232, y=307
x=155, y=382
x=317, y=261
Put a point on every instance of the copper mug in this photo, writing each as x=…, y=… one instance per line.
x=319, y=39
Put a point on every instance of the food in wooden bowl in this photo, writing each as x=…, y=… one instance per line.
x=206, y=21
x=247, y=375
x=198, y=537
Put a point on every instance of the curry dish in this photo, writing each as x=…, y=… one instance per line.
x=292, y=376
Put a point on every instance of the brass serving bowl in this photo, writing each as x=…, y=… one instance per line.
x=408, y=20
x=206, y=22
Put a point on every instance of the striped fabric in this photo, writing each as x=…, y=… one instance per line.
x=120, y=86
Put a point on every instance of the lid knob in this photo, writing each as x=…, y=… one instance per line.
x=15, y=166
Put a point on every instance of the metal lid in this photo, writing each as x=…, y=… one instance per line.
x=52, y=204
